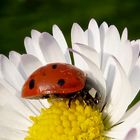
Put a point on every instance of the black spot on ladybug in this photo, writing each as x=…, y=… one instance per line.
x=32, y=84
x=61, y=82
x=54, y=66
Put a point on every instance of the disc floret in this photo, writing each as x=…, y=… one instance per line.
x=59, y=122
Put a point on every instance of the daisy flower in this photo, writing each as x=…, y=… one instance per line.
x=112, y=65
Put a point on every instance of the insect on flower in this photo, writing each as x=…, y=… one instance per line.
x=60, y=80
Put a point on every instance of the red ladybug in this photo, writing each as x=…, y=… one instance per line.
x=60, y=80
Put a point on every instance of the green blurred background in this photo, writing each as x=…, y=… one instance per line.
x=18, y=17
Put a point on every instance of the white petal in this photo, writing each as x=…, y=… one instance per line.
x=35, y=36
x=136, y=51
x=118, y=89
x=135, y=78
x=9, y=87
x=20, y=107
x=36, y=105
x=138, y=41
x=13, y=119
x=50, y=49
x=35, y=40
x=3, y=82
x=32, y=47
x=111, y=43
x=115, y=47
x=29, y=46
x=29, y=64
x=44, y=103
x=3, y=95
x=10, y=73
x=15, y=57
x=34, y=63
x=95, y=75
x=124, y=36
x=103, y=30
x=86, y=37
x=23, y=106
x=94, y=35
x=131, y=135
x=122, y=134
x=78, y=36
x=137, y=127
x=131, y=118
x=90, y=53
x=58, y=35
x=33, y=105
x=11, y=134
x=112, y=40
x=125, y=59
x=13, y=102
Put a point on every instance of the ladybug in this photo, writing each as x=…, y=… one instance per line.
x=59, y=80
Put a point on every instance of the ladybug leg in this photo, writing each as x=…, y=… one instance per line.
x=69, y=103
x=86, y=97
x=72, y=98
x=90, y=97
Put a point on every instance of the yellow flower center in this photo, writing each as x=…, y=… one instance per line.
x=60, y=122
